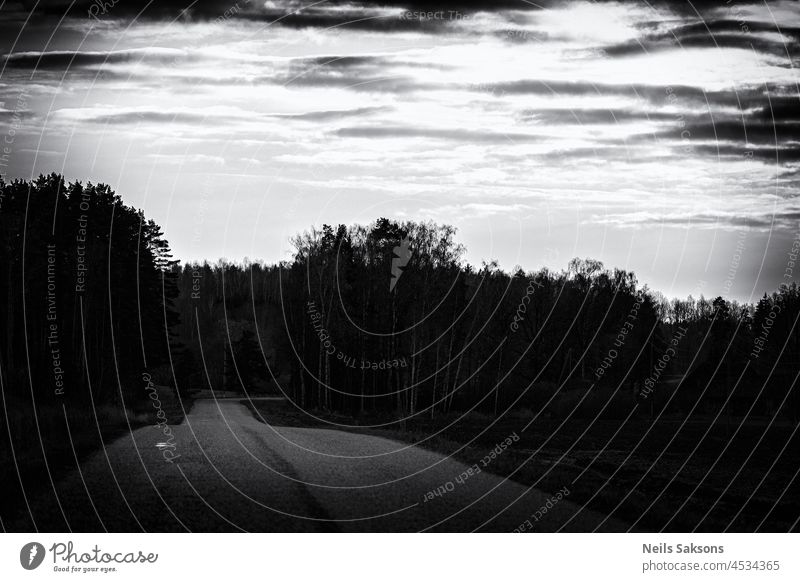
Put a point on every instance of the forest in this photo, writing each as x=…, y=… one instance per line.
x=335, y=332
x=88, y=293
x=382, y=319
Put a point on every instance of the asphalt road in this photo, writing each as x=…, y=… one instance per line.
x=226, y=471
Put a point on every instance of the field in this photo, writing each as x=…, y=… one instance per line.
x=670, y=475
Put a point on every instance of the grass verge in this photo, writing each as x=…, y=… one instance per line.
x=672, y=475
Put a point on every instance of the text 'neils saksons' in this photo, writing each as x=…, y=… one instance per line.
x=663, y=548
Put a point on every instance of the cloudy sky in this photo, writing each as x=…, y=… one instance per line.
x=662, y=138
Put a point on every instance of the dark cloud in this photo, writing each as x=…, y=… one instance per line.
x=390, y=16
x=11, y=114
x=363, y=62
x=766, y=127
x=692, y=100
x=134, y=117
x=713, y=34
x=780, y=108
x=722, y=25
x=773, y=129
x=718, y=41
x=770, y=100
x=784, y=218
x=332, y=115
x=579, y=88
x=355, y=82
x=366, y=73
x=460, y=135
x=368, y=15
x=342, y=62
x=593, y=116
x=187, y=117
x=326, y=19
x=761, y=134
x=218, y=7
x=64, y=60
x=352, y=14
x=747, y=130
x=773, y=155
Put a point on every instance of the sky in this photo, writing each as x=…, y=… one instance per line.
x=660, y=137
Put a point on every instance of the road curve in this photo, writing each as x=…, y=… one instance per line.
x=226, y=471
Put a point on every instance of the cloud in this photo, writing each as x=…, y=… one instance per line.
x=128, y=117
x=774, y=155
x=771, y=132
x=332, y=115
x=745, y=131
x=373, y=16
x=122, y=116
x=460, y=135
x=744, y=96
x=400, y=84
x=63, y=60
x=718, y=123
x=780, y=108
x=365, y=73
x=726, y=25
x=6, y=114
x=763, y=221
x=454, y=109
x=590, y=116
x=770, y=42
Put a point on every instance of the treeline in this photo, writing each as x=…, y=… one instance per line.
x=387, y=318
x=87, y=285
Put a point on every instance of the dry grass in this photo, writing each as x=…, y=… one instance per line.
x=56, y=437
x=640, y=473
